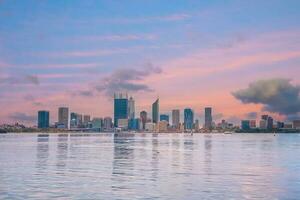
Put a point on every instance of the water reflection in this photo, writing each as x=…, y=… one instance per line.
x=149, y=166
x=42, y=151
x=62, y=151
x=123, y=165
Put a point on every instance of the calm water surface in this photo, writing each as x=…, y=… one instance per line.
x=150, y=166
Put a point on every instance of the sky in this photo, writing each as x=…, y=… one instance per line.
x=240, y=57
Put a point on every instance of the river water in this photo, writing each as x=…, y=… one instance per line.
x=150, y=166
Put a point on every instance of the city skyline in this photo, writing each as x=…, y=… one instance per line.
x=193, y=54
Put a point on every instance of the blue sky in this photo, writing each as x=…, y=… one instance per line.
x=52, y=50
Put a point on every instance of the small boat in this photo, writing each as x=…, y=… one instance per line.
x=227, y=132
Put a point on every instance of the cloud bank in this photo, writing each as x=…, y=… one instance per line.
x=277, y=95
x=127, y=80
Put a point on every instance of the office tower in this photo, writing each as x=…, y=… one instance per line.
x=208, y=118
x=252, y=123
x=97, y=123
x=73, y=120
x=164, y=117
x=155, y=111
x=175, y=118
x=63, y=117
x=43, y=119
x=143, y=116
x=245, y=125
x=263, y=124
x=131, y=108
x=120, y=108
x=188, y=119
x=79, y=120
x=296, y=124
x=270, y=123
x=86, y=120
x=107, y=123
x=197, y=125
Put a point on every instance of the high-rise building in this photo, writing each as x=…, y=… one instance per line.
x=164, y=117
x=270, y=123
x=143, y=116
x=120, y=108
x=43, y=119
x=79, y=120
x=252, y=123
x=245, y=125
x=86, y=120
x=97, y=123
x=176, y=118
x=208, y=118
x=155, y=111
x=263, y=124
x=188, y=119
x=296, y=124
x=197, y=125
x=73, y=120
x=107, y=123
x=63, y=117
x=131, y=108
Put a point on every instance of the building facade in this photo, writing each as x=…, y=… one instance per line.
x=188, y=119
x=120, y=108
x=208, y=118
x=175, y=118
x=43, y=119
x=63, y=117
x=143, y=117
x=164, y=117
x=155, y=111
x=131, y=108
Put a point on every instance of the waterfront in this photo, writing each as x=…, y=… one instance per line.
x=149, y=166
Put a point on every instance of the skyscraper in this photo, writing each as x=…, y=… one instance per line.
x=43, y=119
x=120, y=108
x=86, y=120
x=208, y=118
x=143, y=116
x=155, y=111
x=131, y=108
x=63, y=117
x=107, y=123
x=73, y=120
x=175, y=118
x=188, y=119
x=270, y=122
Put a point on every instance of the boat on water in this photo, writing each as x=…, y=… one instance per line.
x=228, y=132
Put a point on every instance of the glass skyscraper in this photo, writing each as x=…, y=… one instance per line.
x=120, y=108
x=155, y=111
x=43, y=119
x=188, y=119
x=208, y=118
